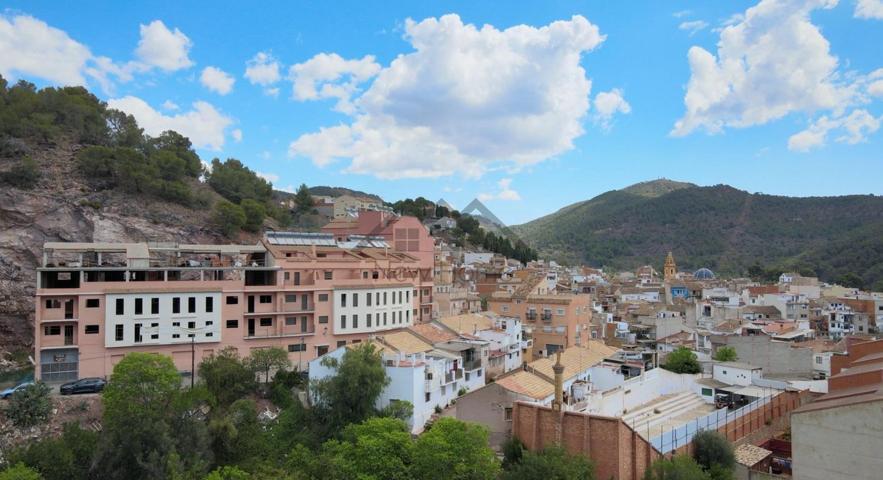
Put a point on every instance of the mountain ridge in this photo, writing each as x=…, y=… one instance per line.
x=719, y=227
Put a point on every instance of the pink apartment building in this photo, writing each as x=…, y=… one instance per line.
x=306, y=292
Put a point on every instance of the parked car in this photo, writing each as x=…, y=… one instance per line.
x=83, y=385
x=9, y=391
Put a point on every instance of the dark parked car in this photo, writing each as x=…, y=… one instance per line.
x=83, y=385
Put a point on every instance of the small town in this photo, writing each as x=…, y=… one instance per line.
x=169, y=311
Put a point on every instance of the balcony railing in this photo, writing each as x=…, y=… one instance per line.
x=470, y=365
x=531, y=316
x=547, y=317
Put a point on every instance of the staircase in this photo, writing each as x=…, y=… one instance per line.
x=651, y=415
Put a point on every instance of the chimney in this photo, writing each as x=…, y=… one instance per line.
x=558, y=404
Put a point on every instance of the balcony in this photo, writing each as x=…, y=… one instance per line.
x=470, y=365
x=531, y=316
x=547, y=316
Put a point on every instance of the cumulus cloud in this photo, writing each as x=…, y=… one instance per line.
x=466, y=99
x=853, y=129
x=204, y=125
x=505, y=192
x=262, y=69
x=608, y=104
x=869, y=9
x=331, y=76
x=29, y=46
x=270, y=177
x=217, y=80
x=693, y=26
x=771, y=62
x=163, y=48
x=170, y=105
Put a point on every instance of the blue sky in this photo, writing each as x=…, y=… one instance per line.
x=499, y=100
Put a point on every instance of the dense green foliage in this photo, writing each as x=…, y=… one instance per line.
x=726, y=354
x=724, y=229
x=469, y=228
x=24, y=174
x=226, y=376
x=679, y=467
x=682, y=360
x=236, y=182
x=553, y=463
x=418, y=207
x=66, y=457
x=30, y=405
x=302, y=199
x=454, y=450
x=711, y=448
x=20, y=472
x=264, y=360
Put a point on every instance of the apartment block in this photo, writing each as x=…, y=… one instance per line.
x=308, y=293
x=552, y=322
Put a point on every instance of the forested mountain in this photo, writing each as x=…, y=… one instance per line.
x=719, y=227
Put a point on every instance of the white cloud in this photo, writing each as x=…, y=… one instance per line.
x=681, y=13
x=272, y=92
x=466, y=99
x=693, y=26
x=854, y=129
x=869, y=9
x=170, y=105
x=331, y=76
x=29, y=46
x=608, y=104
x=162, y=48
x=262, y=69
x=237, y=135
x=270, y=177
x=770, y=63
x=216, y=80
x=505, y=193
x=204, y=125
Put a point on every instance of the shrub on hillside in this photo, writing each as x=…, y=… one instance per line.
x=30, y=406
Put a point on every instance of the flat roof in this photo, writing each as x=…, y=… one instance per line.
x=740, y=365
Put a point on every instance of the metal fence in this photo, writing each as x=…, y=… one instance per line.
x=58, y=372
x=669, y=440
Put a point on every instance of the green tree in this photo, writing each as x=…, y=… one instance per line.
x=851, y=280
x=30, y=405
x=553, y=463
x=712, y=448
x=513, y=451
x=228, y=473
x=680, y=467
x=238, y=438
x=149, y=429
x=229, y=218
x=452, y=449
x=254, y=214
x=682, y=360
x=236, y=182
x=24, y=174
x=20, y=472
x=726, y=354
x=263, y=360
x=377, y=449
x=350, y=394
x=226, y=376
x=303, y=201
x=68, y=457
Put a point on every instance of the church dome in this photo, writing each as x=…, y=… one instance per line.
x=703, y=274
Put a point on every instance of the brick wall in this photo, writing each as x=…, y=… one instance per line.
x=617, y=451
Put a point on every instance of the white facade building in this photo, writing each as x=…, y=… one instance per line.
x=367, y=310
x=134, y=319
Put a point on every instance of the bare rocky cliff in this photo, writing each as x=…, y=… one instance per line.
x=63, y=207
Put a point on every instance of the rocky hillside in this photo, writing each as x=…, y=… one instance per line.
x=719, y=227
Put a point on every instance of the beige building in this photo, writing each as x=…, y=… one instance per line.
x=348, y=203
x=553, y=322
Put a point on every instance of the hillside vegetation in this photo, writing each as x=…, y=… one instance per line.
x=728, y=230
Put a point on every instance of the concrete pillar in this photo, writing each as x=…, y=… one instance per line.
x=558, y=404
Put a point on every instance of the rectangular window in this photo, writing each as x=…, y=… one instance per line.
x=210, y=334
x=139, y=306
x=191, y=324
x=232, y=323
x=176, y=305
x=355, y=299
x=323, y=318
x=52, y=330
x=176, y=335
x=53, y=303
x=355, y=321
x=209, y=304
x=232, y=300
x=266, y=299
x=329, y=275
x=428, y=396
x=375, y=275
x=341, y=343
x=323, y=297
x=407, y=296
x=407, y=316
x=191, y=305
x=118, y=333
x=321, y=350
x=290, y=321
x=290, y=298
x=706, y=392
x=507, y=414
x=400, y=296
x=365, y=275
x=369, y=319
x=343, y=321
x=120, y=306
x=176, y=324
x=368, y=299
x=154, y=306
x=296, y=347
x=91, y=329
x=266, y=322
x=384, y=318
x=384, y=298
x=342, y=299
x=92, y=303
